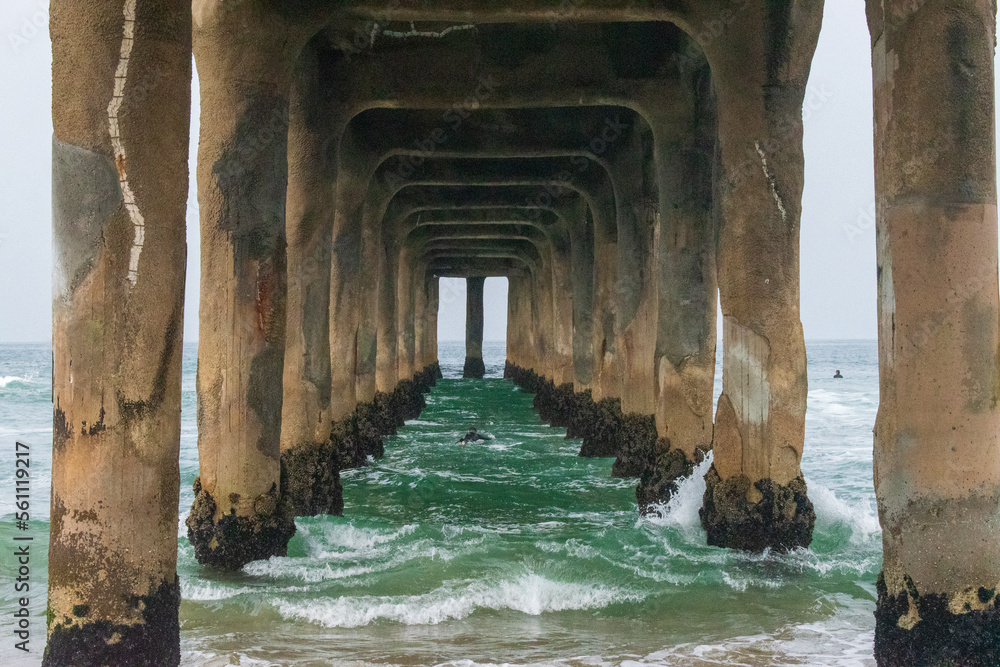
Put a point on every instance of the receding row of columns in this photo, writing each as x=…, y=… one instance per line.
x=620, y=198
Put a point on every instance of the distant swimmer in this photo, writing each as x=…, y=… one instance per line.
x=471, y=437
x=838, y=375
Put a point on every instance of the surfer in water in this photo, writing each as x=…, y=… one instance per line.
x=837, y=375
x=471, y=437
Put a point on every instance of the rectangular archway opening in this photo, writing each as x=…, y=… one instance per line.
x=452, y=334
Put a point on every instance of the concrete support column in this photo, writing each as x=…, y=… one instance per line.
x=635, y=297
x=345, y=276
x=687, y=293
x=427, y=315
x=607, y=350
x=529, y=352
x=756, y=496
x=474, y=367
x=310, y=477
x=543, y=303
x=367, y=282
x=431, y=323
x=607, y=377
x=937, y=456
x=519, y=321
x=121, y=105
x=245, y=61
x=513, y=333
x=562, y=308
x=386, y=371
x=305, y=410
x=406, y=289
x=583, y=286
x=420, y=294
x=539, y=306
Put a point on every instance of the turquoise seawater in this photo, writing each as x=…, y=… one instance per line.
x=513, y=551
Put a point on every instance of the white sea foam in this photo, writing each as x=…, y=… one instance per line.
x=530, y=594
x=863, y=564
x=829, y=642
x=343, y=551
x=339, y=540
x=363, y=552
x=309, y=571
x=214, y=659
x=587, y=661
x=6, y=380
x=682, y=509
x=859, y=516
x=201, y=590
x=742, y=583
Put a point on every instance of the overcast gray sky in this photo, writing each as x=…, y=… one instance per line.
x=838, y=236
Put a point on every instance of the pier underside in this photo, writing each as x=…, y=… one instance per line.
x=628, y=167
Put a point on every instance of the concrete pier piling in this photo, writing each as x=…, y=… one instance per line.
x=121, y=74
x=756, y=496
x=474, y=367
x=937, y=471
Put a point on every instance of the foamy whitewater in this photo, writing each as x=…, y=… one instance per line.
x=513, y=551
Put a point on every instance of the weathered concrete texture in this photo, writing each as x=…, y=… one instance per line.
x=245, y=64
x=121, y=76
x=937, y=434
x=310, y=478
x=686, y=154
x=230, y=541
x=689, y=180
x=635, y=302
x=759, y=74
x=154, y=641
x=306, y=384
x=915, y=629
x=754, y=516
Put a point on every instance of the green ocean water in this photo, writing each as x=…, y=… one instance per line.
x=518, y=551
